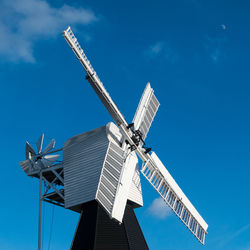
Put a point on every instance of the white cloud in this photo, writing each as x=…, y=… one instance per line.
x=156, y=48
x=234, y=235
x=215, y=54
x=159, y=209
x=24, y=22
x=223, y=26
x=162, y=49
x=214, y=47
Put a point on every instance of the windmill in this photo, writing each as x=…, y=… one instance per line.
x=99, y=176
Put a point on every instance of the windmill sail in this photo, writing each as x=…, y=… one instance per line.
x=146, y=111
x=165, y=185
x=39, y=143
x=93, y=78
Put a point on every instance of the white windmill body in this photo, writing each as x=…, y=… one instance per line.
x=101, y=167
x=97, y=168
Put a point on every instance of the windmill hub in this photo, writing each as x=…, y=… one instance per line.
x=137, y=137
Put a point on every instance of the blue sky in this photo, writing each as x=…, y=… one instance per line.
x=196, y=56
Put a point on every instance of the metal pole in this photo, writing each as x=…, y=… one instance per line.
x=40, y=212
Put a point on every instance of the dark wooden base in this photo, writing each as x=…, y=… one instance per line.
x=96, y=231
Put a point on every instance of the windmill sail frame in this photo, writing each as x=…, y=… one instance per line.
x=158, y=176
x=146, y=111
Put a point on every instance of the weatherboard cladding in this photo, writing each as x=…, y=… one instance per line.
x=93, y=164
x=83, y=157
x=92, y=169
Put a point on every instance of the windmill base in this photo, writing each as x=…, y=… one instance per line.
x=96, y=230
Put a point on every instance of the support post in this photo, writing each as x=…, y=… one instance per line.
x=40, y=212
